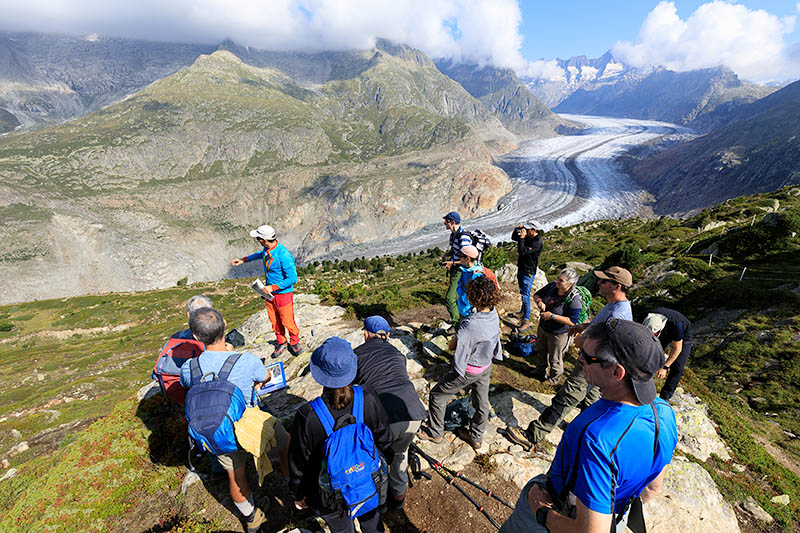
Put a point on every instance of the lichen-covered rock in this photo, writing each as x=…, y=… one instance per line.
x=689, y=501
x=697, y=435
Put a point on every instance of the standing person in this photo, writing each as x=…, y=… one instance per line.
x=334, y=366
x=248, y=375
x=383, y=367
x=560, y=305
x=476, y=344
x=280, y=275
x=671, y=327
x=529, y=247
x=470, y=268
x=611, y=458
x=459, y=238
x=613, y=284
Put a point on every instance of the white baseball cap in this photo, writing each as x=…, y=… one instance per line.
x=266, y=232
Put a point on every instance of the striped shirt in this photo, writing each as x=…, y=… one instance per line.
x=458, y=240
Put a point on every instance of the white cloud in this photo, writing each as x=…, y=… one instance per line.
x=543, y=70
x=484, y=31
x=749, y=42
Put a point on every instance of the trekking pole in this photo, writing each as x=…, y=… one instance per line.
x=461, y=476
x=437, y=466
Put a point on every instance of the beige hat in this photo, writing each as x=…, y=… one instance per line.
x=617, y=274
x=266, y=232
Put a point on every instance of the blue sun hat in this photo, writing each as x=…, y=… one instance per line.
x=334, y=363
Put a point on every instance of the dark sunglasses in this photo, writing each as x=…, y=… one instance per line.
x=591, y=359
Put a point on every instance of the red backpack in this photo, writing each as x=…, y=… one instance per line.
x=167, y=369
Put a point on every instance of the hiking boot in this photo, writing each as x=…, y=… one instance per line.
x=279, y=349
x=464, y=435
x=255, y=520
x=295, y=349
x=555, y=380
x=519, y=436
x=424, y=434
x=396, y=502
x=515, y=315
x=523, y=325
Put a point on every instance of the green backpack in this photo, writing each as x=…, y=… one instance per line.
x=586, y=302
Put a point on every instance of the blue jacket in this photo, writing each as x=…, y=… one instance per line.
x=464, y=307
x=279, y=269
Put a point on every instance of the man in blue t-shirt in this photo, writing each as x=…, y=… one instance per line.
x=612, y=453
x=613, y=284
x=248, y=374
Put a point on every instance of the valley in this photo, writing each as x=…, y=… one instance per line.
x=558, y=181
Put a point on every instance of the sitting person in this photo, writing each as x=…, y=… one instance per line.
x=383, y=367
x=192, y=304
x=334, y=366
x=248, y=375
x=476, y=343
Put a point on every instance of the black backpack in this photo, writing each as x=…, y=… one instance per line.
x=480, y=240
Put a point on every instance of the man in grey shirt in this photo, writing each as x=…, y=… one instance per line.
x=476, y=344
x=613, y=283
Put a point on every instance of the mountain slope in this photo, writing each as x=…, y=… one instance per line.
x=680, y=97
x=505, y=95
x=222, y=145
x=48, y=78
x=758, y=152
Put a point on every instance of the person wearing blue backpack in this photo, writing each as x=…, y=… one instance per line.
x=470, y=268
x=340, y=445
x=210, y=376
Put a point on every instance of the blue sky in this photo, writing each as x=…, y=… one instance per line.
x=567, y=28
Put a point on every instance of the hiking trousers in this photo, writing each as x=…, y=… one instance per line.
x=574, y=391
x=368, y=522
x=675, y=373
x=281, y=315
x=523, y=518
x=403, y=432
x=449, y=385
x=550, y=349
x=451, y=298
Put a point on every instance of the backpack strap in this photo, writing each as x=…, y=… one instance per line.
x=228, y=366
x=197, y=374
x=323, y=414
x=358, y=404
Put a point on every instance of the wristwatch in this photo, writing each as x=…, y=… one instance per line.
x=541, y=516
x=666, y=367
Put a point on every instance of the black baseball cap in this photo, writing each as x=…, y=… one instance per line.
x=640, y=354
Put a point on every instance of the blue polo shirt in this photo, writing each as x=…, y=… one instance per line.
x=246, y=372
x=592, y=436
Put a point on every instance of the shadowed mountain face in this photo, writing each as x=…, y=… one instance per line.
x=757, y=151
x=165, y=184
x=501, y=91
x=46, y=79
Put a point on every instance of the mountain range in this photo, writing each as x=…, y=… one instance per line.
x=332, y=148
x=702, y=99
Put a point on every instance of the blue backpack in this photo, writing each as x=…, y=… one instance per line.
x=354, y=476
x=212, y=407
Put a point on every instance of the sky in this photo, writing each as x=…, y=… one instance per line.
x=757, y=39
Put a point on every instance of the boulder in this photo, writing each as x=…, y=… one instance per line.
x=148, y=391
x=9, y=474
x=697, y=436
x=751, y=507
x=783, y=499
x=689, y=501
x=579, y=267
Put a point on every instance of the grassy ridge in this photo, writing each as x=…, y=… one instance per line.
x=65, y=363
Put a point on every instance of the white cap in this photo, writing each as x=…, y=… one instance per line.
x=532, y=224
x=266, y=232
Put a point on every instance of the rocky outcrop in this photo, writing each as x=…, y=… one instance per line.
x=689, y=501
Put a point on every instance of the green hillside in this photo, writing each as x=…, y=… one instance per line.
x=97, y=461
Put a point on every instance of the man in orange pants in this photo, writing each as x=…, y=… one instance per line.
x=280, y=275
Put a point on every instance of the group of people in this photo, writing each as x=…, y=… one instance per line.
x=600, y=475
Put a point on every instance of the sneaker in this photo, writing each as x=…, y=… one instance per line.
x=279, y=349
x=295, y=349
x=425, y=435
x=255, y=520
x=519, y=436
x=464, y=435
x=396, y=502
x=450, y=331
